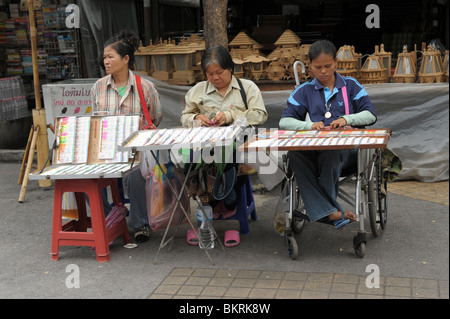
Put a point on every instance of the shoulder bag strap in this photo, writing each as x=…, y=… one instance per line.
x=344, y=95
x=244, y=96
x=150, y=124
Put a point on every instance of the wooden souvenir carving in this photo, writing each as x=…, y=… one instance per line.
x=347, y=61
x=256, y=67
x=238, y=68
x=143, y=62
x=285, y=53
x=243, y=46
x=385, y=59
x=373, y=71
x=431, y=69
x=405, y=70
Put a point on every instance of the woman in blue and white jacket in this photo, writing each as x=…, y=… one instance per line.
x=318, y=172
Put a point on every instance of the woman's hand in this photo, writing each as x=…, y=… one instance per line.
x=220, y=119
x=340, y=122
x=204, y=120
x=318, y=126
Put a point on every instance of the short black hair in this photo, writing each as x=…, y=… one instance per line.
x=219, y=55
x=321, y=46
x=125, y=43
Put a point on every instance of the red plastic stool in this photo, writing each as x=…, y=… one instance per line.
x=74, y=232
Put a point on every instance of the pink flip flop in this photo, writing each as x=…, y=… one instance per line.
x=232, y=238
x=191, y=238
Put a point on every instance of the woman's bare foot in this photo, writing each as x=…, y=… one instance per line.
x=337, y=215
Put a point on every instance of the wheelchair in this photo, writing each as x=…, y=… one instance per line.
x=368, y=200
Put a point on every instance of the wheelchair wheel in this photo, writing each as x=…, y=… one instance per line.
x=377, y=202
x=292, y=247
x=360, y=250
x=298, y=224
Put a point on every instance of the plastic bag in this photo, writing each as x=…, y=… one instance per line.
x=160, y=199
x=147, y=163
x=69, y=206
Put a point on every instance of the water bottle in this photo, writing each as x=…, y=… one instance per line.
x=208, y=210
x=205, y=231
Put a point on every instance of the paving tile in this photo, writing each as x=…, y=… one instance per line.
x=425, y=283
x=343, y=287
x=227, y=273
x=425, y=293
x=320, y=277
x=295, y=276
x=174, y=280
x=262, y=293
x=368, y=296
x=312, y=294
x=287, y=294
x=398, y=291
x=267, y=283
x=167, y=289
x=237, y=292
x=341, y=295
x=196, y=281
x=204, y=272
x=190, y=290
x=272, y=274
x=244, y=282
x=362, y=289
x=398, y=281
x=160, y=296
x=213, y=291
x=291, y=284
x=349, y=279
x=248, y=274
x=317, y=285
x=224, y=282
x=182, y=272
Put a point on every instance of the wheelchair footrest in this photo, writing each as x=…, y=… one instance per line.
x=298, y=215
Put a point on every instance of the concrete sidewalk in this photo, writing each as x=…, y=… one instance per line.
x=411, y=255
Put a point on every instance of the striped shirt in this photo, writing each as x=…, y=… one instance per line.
x=106, y=98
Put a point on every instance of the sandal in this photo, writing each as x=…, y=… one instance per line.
x=341, y=222
x=232, y=238
x=191, y=237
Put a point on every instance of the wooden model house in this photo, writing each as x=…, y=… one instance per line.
x=406, y=68
x=284, y=56
x=256, y=67
x=347, y=61
x=373, y=71
x=385, y=59
x=431, y=68
x=243, y=46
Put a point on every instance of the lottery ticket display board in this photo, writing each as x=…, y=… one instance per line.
x=284, y=140
x=164, y=139
x=86, y=147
